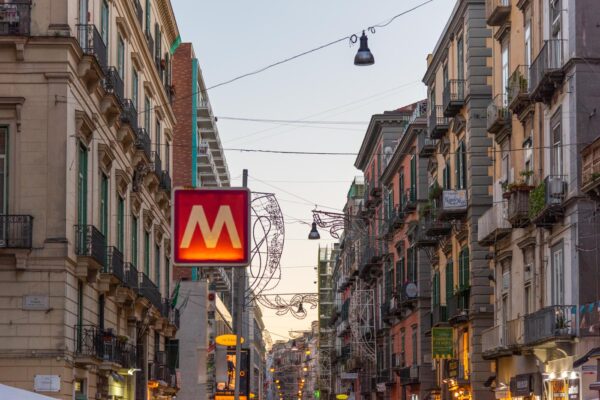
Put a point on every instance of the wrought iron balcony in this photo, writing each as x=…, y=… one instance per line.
x=425, y=145
x=497, y=12
x=126, y=355
x=454, y=96
x=458, y=306
x=139, y=12
x=546, y=73
x=90, y=242
x=590, y=168
x=434, y=226
x=16, y=231
x=93, y=343
x=113, y=83
x=15, y=18
x=142, y=142
x=165, y=181
x=439, y=314
x=498, y=115
x=114, y=264
x=131, y=276
x=409, y=199
x=492, y=225
x=518, y=90
x=420, y=236
x=550, y=323
x=438, y=123
x=149, y=290
x=409, y=375
x=518, y=205
x=156, y=164
x=551, y=210
x=129, y=114
x=454, y=204
x=92, y=44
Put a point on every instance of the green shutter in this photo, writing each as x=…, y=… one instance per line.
x=401, y=185
x=134, y=89
x=134, y=241
x=147, y=252
x=157, y=266
x=82, y=186
x=464, y=268
x=147, y=17
x=104, y=22
x=413, y=178
x=436, y=288
x=400, y=272
x=449, y=279
x=147, y=115
x=104, y=205
x=120, y=223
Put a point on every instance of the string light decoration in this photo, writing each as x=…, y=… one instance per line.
x=336, y=223
x=295, y=304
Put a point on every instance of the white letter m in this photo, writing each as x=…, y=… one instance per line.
x=211, y=235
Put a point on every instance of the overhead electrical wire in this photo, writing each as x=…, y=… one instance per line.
x=292, y=121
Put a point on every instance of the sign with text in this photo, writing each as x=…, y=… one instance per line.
x=442, y=343
x=211, y=227
x=226, y=389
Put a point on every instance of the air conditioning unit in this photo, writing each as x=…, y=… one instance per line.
x=556, y=188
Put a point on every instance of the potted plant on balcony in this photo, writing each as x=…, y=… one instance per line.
x=537, y=200
x=562, y=325
x=522, y=185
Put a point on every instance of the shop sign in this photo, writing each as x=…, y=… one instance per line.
x=453, y=367
x=228, y=340
x=520, y=385
x=441, y=343
x=574, y=386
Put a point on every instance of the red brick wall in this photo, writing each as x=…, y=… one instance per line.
x=182, y=106
x=182, y=135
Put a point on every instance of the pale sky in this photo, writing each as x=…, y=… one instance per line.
x=235, y=37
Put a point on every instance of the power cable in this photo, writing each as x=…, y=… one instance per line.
x=291, y=121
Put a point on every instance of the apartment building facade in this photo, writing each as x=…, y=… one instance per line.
x=87, y=127
x=407, y=270
x=457, y=79
x=543, y=237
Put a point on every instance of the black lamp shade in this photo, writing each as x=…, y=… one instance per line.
x=364, y=56
x=314, y=233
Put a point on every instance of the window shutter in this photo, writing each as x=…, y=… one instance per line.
x=449, y=279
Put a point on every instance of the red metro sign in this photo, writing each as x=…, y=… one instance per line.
x=211, y=227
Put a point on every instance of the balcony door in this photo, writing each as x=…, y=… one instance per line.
x=4, y=170
x=83, y=12
x=558, y=276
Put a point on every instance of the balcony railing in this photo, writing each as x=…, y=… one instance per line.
x=514, y=332
x=131, y=276
x=497, y=12
x=498, y=114
x=16, y=231
x=139, y=12
x=156, y=164
x=15, y=18
x=492, y=225
x=165, y=181
x=518, y=206
x=438, y=122
x=439, y=314
x=90, y=242
x=113, y=83
x=129, y=114
x=454, y=204
x=552, y=209
x=149, y=290
x=425, y=145
x=103, y=345
x=492, y=340
x=92, y=44
x=454, y=96
x=546, y=73
x=421, y=238
x=142, y=142
x=114, y=264
x=409, y=375
x=590, y=168
x=518, y=89
x=409, y=199
x=458, y=306
x=434, y=226
x=550, y=323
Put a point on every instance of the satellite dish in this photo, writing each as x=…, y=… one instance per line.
x=410, y=290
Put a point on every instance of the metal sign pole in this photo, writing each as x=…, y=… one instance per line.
x=240, y=286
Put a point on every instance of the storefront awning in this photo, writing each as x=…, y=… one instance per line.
x=12, y=393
